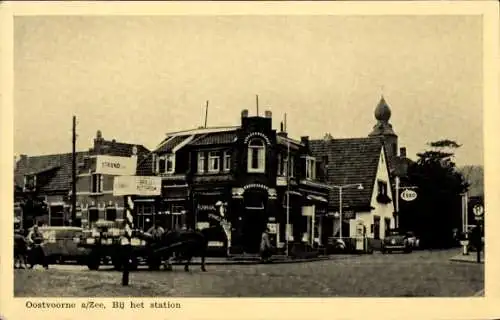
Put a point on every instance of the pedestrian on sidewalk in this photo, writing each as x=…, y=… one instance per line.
x=265, y=246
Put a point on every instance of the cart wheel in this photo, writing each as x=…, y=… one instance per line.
x=93, y=261
x=117, y=262
x=134, y=263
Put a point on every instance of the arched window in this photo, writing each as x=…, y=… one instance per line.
x=256, y=155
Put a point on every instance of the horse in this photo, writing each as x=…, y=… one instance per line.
x=20, y=250
x=185, y=244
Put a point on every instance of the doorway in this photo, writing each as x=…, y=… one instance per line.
x=254, y=220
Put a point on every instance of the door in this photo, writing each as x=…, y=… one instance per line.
x=254, y=220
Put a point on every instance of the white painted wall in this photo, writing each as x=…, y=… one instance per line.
x=381, y=210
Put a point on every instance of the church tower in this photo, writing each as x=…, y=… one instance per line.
x=383, y=128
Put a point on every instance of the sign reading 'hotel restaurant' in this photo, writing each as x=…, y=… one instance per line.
x=119, y=166
x=136, y=185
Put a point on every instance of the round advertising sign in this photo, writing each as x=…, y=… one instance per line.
x=408, y=195
x=478, y=210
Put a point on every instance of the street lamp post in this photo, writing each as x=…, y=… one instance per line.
x=340, y=187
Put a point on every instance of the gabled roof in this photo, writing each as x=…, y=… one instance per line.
x=59, y=164
x=170, y=143
x=349, y=161
x=294, y=144
x=202, y=131
x=224, y=137
x=120, y=149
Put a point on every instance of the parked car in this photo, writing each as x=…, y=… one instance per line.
x=397, y=241
x=413, y=240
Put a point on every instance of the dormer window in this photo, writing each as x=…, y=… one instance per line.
x=382, y=196
x=30, y=182
x=310, y=168
x=166, y=164
x=227, y=161
x=201, y=162
x=256, y=160
x=214, y=161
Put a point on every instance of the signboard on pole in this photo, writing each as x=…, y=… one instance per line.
x=118, y=166
x=478, y=212
x=408, y=195
x=136, y=185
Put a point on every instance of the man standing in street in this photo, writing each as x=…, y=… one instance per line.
x=20, y=247
x=37, y=252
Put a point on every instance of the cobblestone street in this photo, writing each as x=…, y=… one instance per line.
x=421, y=273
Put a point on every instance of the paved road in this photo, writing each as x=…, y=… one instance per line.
x=421, y=273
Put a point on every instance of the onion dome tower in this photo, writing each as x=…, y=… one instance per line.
x=383, y=128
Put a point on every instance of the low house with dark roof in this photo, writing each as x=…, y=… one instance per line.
x=240, y=174
x=44, y=179
x=47, y=179
x=357, y=171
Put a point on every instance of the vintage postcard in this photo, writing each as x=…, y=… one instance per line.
x=161, y=158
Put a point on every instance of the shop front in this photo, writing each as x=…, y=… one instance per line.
x=210, y=207
x=254, y=210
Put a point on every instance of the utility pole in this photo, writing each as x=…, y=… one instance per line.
x=206, y=114
x=257, y=103
x=73, y=176
x=288, y=168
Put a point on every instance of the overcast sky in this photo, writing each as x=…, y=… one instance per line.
x=136, y=78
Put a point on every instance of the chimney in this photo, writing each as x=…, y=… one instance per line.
x=305, y=140
x=281, y=126
x=402, y=152
x=98, y=142
x=244, y=113
x=268, y=114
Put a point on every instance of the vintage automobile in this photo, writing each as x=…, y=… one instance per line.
x=397, y=241
x=61, y=244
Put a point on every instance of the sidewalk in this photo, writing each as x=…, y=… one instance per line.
x=470, y=258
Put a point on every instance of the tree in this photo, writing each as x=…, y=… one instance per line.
x=439, y=185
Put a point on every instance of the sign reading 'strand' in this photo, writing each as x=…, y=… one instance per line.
x=136, y=185
x=119, y=166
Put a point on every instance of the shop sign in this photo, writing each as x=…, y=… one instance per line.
x=136, y=185
x=408, y=195
x=308, y=211
x=118, y=166
x=206, y=207
x=272, y=228
x=478, y=210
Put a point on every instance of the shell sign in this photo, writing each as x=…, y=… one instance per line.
x=408, y=195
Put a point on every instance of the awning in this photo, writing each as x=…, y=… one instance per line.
x=316, y=198
x=144, y=200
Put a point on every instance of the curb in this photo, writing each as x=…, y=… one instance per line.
x=253, y=262
x=466, y=261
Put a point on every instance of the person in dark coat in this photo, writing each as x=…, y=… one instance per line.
x=37, y=252
x=265, y=246
x=20, y=247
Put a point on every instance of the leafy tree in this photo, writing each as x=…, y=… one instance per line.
x=437, y=210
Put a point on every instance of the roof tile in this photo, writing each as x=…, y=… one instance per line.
x=350, y=161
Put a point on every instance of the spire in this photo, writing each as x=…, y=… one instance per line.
x=382, y=115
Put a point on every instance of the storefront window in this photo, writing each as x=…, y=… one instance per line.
x=111, y=214
x=93, y=215
x=57, y=216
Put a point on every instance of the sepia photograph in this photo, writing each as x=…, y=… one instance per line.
x=247, y=155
